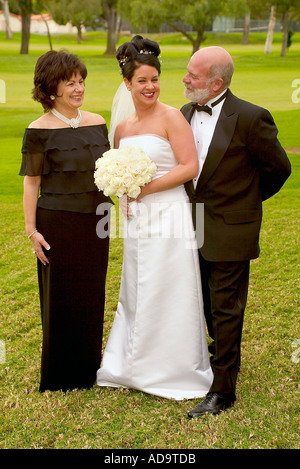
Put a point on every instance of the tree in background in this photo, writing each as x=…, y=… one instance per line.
x=252, y=8
x=285, y=10
x=5, y=7
x=110, y=9
x=74, y=12
x=199, y=14
x=24, y=7
x=271, y=27
x=288, y=9
x=39, y=8
x=93, y=13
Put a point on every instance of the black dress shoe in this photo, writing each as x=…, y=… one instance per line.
x=212, y=404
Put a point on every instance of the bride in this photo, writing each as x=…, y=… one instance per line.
x=158, y=340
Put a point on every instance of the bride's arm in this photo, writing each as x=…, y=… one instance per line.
x=117, y=136
x=181, y=138
x=124, y=200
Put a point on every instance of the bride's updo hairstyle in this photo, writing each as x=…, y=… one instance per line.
x=140, y=51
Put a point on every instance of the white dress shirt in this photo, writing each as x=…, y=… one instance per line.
x=203, y=126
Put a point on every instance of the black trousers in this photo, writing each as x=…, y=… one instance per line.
x=225, y=290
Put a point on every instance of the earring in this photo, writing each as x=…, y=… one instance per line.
x=129, y=89
x=52, y=97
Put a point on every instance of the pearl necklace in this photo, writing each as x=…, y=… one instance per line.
x=74, y=123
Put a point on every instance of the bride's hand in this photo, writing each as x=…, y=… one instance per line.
x=124, y=202
x=144, y=191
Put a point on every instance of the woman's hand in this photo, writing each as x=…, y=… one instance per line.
x=38, y=242
x=30, y=197
x=124, y=202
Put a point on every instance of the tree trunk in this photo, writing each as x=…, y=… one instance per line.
x=246, y=29
x=79, y=33
x=47, y=28
x=6, y=16
x=285, y=33
x=25, y=32
x=118, y=28
x=199, y=39
x=111, y=18
x=196, y=43
x=271, y=27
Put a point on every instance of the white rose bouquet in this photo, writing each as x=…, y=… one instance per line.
x=123, y=171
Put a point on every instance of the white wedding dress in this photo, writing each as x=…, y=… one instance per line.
x=157, y=343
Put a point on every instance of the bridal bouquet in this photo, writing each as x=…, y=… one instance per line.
x=123, y=171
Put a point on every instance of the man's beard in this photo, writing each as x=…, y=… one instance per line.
x=197, y=95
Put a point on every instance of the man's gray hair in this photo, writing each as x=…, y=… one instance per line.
x=221, y=71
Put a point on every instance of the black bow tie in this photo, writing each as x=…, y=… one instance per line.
x=206, y=108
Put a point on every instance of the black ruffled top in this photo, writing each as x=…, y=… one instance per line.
x=65, y=159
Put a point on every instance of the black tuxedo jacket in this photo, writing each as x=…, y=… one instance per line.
x=245, y=165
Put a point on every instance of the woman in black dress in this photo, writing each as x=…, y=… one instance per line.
x=60, y=203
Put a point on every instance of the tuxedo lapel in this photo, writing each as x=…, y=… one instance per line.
x=221, y=139
x=188, y=111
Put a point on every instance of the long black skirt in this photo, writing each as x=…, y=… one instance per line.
x=72, y=297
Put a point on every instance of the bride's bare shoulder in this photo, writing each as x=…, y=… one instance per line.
x=169, y=110
x=170, y=114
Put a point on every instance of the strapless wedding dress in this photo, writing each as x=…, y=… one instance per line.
x=157, y=343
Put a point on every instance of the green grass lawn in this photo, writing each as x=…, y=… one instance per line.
x=267, y=409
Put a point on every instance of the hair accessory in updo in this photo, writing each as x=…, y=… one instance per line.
x=124, y=60
x=144, y=51
x=140, y=50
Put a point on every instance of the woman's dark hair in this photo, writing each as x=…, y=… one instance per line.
x=140, y=51
x=50, y=69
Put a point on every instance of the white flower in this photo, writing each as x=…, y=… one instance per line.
x=128, y=179
x=123, y=171
x=109, y=190
x=134, y=191
x=115, y=181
